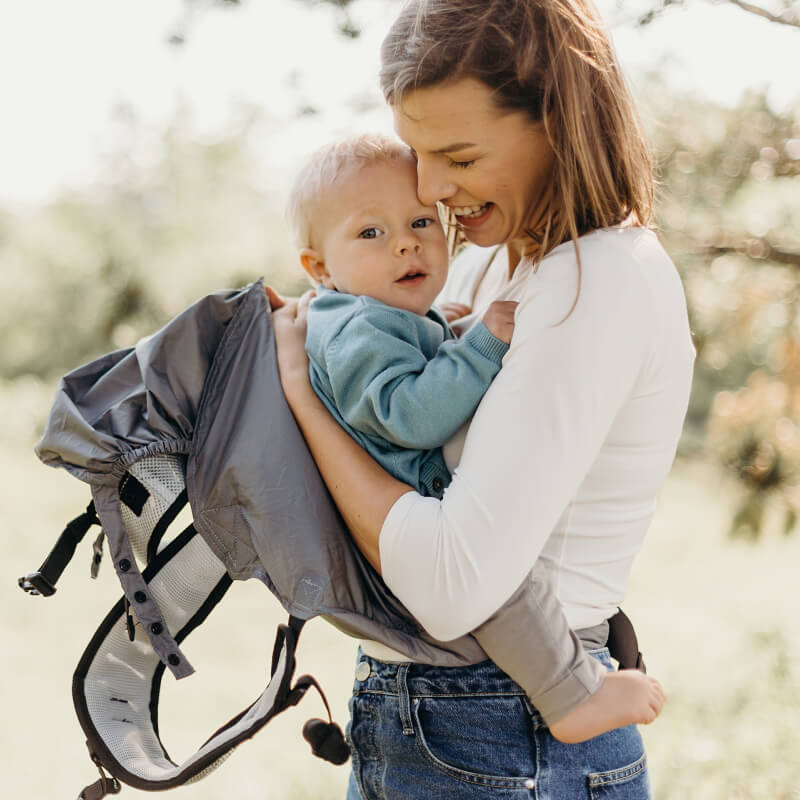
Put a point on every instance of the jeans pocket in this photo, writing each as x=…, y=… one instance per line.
x=626, y=783
x=483, y=741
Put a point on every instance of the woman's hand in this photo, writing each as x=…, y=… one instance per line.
x=453, y=311
x=289, y=324
x=361, y=488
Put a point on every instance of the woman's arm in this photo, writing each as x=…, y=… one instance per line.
x=535, y=436
x=363, y=491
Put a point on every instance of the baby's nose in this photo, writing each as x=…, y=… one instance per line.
x=408, y=244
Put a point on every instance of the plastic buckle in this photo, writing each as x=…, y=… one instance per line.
x=107, y=784
x=36, y=584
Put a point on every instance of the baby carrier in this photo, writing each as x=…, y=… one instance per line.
x=195, y=414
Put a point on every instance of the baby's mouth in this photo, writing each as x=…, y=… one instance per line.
x=412, y=276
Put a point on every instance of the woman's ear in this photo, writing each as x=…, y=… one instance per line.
x=314, y=265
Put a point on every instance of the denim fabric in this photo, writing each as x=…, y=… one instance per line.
x=418, y=731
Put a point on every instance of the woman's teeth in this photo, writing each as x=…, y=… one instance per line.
x=470, y=211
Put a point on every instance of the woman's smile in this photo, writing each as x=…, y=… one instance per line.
x=472, y=217
x=485, y=163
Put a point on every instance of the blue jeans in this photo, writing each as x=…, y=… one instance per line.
x=421, y=732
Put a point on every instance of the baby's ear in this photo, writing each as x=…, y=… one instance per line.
x=314, y=265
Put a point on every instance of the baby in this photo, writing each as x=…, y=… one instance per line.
x=389, y=369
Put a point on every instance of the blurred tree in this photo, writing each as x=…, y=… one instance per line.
x=98, y=268
x=786, y=12
x=729, y=212
x=191, y=8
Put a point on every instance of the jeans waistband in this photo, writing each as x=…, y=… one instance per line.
x=425, y=680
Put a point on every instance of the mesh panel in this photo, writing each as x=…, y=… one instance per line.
x=163, y=477
x=117, y=685
x=119, y=680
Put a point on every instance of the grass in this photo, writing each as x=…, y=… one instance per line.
x=717, y=621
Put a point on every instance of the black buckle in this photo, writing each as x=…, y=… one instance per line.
x=107, y=784
x=36, y=584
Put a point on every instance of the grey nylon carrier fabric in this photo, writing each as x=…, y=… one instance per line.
x=207, y=386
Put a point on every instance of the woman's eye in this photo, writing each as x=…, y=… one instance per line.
x=369, y=233
x=460, y=164
x=422, y=223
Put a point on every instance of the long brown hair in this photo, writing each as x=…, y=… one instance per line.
x=552, y=60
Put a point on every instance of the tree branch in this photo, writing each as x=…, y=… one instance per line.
x=758, y=249
x=793, y=20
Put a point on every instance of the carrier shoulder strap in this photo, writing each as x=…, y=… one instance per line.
x=43, y=581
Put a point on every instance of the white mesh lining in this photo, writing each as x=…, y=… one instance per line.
x=118, y=682
x=163, y=477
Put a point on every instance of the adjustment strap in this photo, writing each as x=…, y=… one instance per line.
x=43, y=581
x=623, y=643
x=303, y=684
x=100, y=788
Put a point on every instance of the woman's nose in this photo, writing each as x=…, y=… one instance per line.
x=432, y=183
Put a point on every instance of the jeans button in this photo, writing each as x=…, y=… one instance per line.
x=529, y=784
x=363, y=670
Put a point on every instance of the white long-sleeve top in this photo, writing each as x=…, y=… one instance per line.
x=570, y=445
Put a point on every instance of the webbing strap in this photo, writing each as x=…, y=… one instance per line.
x=125, y=763
x=623, y=643
x=44, y=580
x=101, y=788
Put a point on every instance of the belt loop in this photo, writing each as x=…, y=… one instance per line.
x=405, y=701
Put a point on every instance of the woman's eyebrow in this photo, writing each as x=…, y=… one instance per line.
x=453, y=148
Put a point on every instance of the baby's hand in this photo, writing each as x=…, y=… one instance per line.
x=499, y=319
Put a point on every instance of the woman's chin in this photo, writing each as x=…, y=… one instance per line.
x=482, y=238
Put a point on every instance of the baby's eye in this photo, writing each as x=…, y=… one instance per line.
x=369, y=233
x=422, y=223
x=460, y=164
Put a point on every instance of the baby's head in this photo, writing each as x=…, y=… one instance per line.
x=360, y=227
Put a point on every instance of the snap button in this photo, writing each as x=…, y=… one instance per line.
x=139, y=597
x=363, y=670
x=156, y=628
x=438, y=484
x=529, y=784
x=124, y=565
x=173, y=659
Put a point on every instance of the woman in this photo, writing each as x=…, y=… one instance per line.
x=523, y=128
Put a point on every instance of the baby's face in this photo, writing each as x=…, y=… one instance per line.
x=378, y=240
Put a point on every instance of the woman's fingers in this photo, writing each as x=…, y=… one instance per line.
x=452, y=311
x=275, y=300
x=289, y=325
x=303, y=304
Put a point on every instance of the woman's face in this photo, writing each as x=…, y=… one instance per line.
x=491, y=166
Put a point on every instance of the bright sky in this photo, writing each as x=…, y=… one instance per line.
x=65, y=65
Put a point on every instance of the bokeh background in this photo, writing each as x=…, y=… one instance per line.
x=145, y=152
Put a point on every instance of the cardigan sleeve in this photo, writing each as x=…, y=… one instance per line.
x=383, y=384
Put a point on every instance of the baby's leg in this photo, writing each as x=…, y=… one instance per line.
x=529, y=639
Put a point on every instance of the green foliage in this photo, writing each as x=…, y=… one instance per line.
x=99, y=268
x=729, y=212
